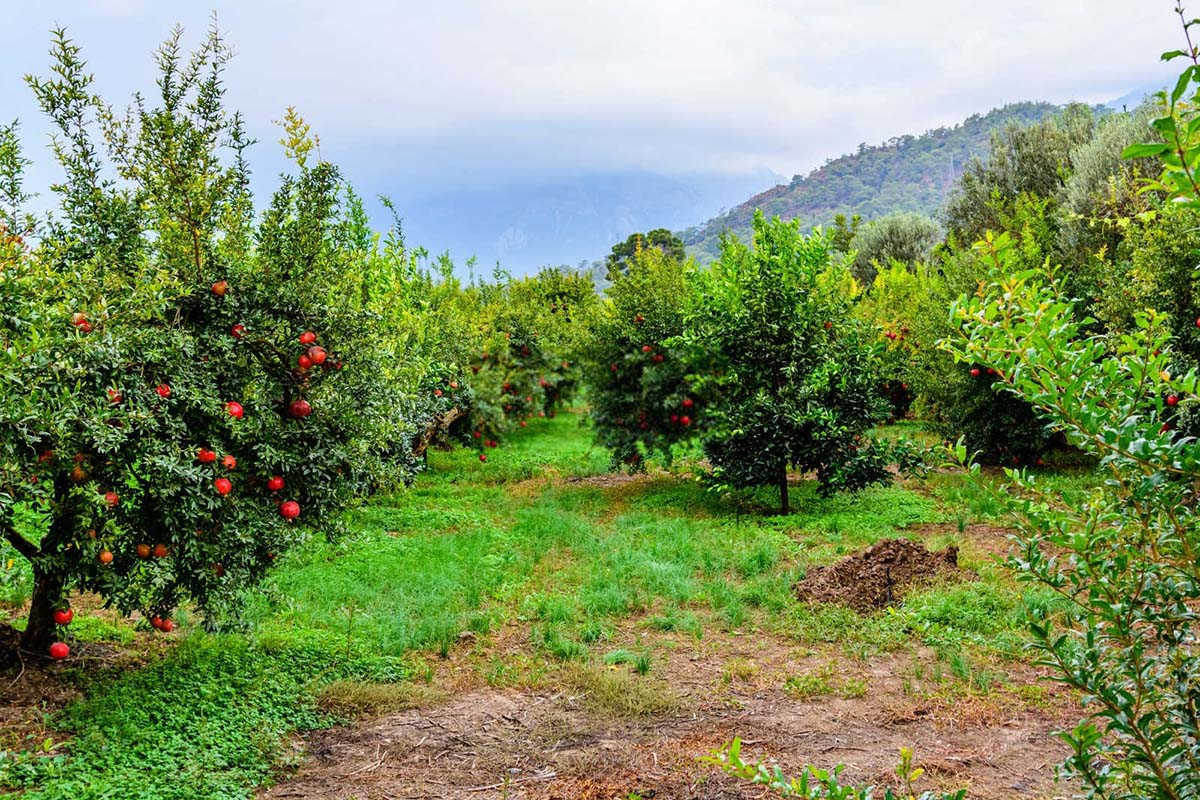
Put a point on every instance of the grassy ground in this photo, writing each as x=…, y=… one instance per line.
x=537, y=544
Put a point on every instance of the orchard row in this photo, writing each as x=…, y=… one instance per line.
x=190, y=388
x=219, y=383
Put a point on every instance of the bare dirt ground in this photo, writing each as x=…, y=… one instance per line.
x=550, y=739
x=552, y=742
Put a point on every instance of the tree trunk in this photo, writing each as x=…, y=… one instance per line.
x=40, y=628
x=783, y=489
x=438, y=425
x=48, y=585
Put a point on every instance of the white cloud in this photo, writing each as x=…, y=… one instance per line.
x=677, y=84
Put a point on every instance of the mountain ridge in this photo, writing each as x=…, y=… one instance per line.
x=904, y=173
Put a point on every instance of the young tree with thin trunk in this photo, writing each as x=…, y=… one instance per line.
x=789, y=378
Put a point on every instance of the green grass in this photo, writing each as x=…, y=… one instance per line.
x=339, y=627
x=822, y=682
x=977, y=503
x=207, y=721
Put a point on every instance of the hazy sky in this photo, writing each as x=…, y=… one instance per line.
x=475, y=91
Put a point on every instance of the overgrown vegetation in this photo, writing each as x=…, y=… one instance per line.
x=1124, y=556
x=284, y=427
x=583, y=571
x=819, y=783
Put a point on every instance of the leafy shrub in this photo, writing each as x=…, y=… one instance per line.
x=1124, y=557
x=960, y=400
x=1101, y=194
x=1157, y=269
x=817, y=783
x=896, y=306
x=903, y=237
x=787, y=376
x=1023, y=161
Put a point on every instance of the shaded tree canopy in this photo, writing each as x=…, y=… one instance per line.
x=660, y=239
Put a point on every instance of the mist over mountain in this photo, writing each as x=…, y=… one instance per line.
x=525, y=223
x=1134, y=97
x=511, y=212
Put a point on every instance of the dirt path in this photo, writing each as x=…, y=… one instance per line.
x=604, y=732
x=550, y=748
x=555, y=742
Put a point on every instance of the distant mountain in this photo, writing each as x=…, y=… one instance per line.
x=905, y=173
x=527, y=223
x=1131, y=100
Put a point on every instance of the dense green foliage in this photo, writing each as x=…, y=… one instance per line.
x=1029, y=189
x=788, y=376
x=470, y=547
x=624, y=253
x=150, y=378
x=758, y=356
x=903, y=237
x=187, y=386
x=193, y=392
x=1022, y=161
x=909, y=303
x=1124, y=556
x=640, y=399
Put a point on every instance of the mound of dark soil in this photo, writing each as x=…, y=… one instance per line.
x=878, y=576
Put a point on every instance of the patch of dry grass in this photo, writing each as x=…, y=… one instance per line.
x=366, y=698
x=619, y=693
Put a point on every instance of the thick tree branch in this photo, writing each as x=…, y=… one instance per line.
x=438, y=424
x=22, y=545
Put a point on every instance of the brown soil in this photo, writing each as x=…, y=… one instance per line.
x=10, y=645
x=548, y=741
x=29, y=691
x=987, y=540
x=608, y=480
x=878, y=576
x=545, y=738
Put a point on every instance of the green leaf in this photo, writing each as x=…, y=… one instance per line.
x=1185, y=79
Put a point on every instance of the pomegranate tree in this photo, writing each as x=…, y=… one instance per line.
x=160, y=441
x=641, y=401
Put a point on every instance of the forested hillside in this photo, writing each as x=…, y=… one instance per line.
x=905, y=173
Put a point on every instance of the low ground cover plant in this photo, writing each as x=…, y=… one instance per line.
x=814, y=783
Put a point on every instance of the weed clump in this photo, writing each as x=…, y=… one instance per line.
x=620, y=694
